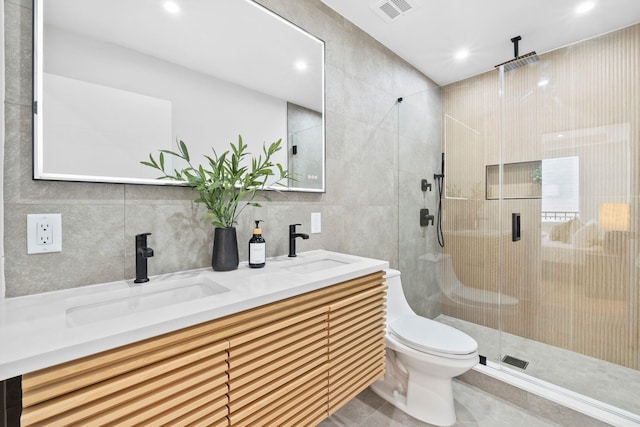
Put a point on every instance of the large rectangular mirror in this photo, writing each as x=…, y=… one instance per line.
x=116, y=80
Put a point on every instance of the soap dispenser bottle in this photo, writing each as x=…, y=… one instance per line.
x=257, y=248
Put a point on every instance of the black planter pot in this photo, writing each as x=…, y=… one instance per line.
x=225, y=249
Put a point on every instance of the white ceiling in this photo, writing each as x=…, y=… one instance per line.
x=429, y=35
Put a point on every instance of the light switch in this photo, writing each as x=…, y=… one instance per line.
x=316, y=222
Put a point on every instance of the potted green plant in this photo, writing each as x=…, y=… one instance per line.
x=226, y=185
x=536, y=175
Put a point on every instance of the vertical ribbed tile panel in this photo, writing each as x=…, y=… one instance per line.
x=576, y=285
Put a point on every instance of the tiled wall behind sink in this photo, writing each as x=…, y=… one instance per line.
x=359, y=209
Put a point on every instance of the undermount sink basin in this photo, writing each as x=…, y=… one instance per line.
x=142, y=298
x=315, y=265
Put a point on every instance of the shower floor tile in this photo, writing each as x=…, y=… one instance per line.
x=595, y=378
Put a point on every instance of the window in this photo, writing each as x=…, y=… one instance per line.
x=560, y=188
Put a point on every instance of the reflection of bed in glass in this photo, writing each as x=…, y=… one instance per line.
x=566, y=242
x=589, y=255
x=585, y=280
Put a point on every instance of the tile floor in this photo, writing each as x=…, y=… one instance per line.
x=474, y=408
x=477, y=408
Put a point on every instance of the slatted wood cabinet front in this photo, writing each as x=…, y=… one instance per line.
x=289, y=363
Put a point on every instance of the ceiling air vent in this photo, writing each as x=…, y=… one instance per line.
x=390, y=10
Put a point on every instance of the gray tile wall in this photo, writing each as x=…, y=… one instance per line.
x=419, y=119
x=359, y=209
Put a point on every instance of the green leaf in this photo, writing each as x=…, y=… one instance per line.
x=173, y=153
x=153, y=162
x=225, y=180
x=149, y=164
x=184, y=150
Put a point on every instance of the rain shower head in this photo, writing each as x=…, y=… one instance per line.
x=518, y=61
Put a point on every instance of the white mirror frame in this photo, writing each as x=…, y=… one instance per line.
x=158, y=114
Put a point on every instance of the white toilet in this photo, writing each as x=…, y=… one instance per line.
x=422, y=357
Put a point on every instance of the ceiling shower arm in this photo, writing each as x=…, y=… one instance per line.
x=515, y=41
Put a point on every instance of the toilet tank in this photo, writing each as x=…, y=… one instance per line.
x=397, y=304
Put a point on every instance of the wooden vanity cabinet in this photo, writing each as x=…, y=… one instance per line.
x=174, y=379
x=289, y=363
x=356, y=344
x=300, y=359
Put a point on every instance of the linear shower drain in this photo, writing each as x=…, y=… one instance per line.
x=514, y=361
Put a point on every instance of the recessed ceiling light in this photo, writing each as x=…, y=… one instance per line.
x=585, y=7
x=462, y=54
x=171, y=7
x=301, y=65
x=543, y=82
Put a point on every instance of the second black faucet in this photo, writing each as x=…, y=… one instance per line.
x=292, y=239
x=142, y=253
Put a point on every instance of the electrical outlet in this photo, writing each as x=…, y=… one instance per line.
x=316, y=222
x=44, y=233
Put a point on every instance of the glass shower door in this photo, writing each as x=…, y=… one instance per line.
x=557, y=143
x=552, y=147
x=471, y=297
x=570, y=138
x=418, y=157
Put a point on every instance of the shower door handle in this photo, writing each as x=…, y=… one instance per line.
x=515, y=227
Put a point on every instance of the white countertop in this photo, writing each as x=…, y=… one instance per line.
x=38, y=331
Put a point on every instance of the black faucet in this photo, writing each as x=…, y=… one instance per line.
x=292, y=239
x=142, y=253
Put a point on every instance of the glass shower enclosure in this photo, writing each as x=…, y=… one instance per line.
x=541, y=260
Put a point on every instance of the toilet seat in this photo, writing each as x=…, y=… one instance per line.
x=432, y=337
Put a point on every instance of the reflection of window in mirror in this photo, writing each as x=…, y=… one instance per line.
x=560, y=188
